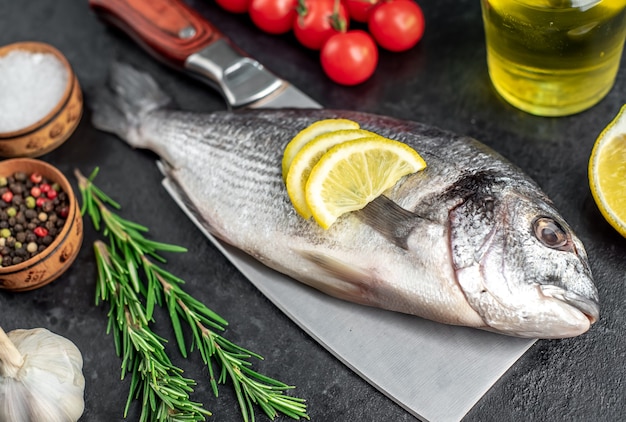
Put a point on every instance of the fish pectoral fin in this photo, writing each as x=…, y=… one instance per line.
x=345, y=281
x=390, y=219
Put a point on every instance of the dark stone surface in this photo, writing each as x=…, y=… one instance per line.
x=443, y=82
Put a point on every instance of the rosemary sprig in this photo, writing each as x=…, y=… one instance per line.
x=160, y=384
x=130, y=253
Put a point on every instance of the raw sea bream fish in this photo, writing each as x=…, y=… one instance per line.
x=469, y=241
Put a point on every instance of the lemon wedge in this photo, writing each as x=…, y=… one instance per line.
x=310, y=132
x=607, y=172
x=353, y=173
x=308, y=156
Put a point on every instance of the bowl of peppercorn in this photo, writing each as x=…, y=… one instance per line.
x=41, y=228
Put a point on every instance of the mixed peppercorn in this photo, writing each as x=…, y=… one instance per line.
x=32, y=213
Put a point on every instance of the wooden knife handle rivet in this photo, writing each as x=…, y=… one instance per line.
x=187, y=32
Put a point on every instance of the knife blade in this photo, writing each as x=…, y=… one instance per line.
x=435, y=372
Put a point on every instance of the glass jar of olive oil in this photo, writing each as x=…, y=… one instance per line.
x=554, y=57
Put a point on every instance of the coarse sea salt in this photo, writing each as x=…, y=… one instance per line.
x=31, y=85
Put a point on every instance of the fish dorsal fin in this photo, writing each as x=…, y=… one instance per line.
x=389, y=219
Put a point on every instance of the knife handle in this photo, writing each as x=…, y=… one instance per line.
x=168, y=29
x=177, y=35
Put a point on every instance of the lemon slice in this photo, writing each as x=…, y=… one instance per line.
x=353, y=173
x=308, y=156
x=310, y=132
x=607, y=172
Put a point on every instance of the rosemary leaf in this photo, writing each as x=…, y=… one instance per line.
x=151, y=297
x=178, y=331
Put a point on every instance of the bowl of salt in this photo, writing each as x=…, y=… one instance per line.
x=41, y=102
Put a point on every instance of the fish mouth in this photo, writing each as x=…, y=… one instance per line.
x=588, y=306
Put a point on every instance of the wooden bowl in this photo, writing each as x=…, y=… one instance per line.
x=52, y=130
x=53, y=261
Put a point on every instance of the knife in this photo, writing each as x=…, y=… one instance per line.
x=436, y=372
x=177, y=35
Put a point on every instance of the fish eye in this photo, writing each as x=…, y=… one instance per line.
x=550, y=233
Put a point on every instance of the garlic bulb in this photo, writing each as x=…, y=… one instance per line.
x=41, y=377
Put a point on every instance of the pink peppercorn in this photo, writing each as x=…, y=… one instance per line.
x=64, y=212
x=36, y=177
x=40, y=231
x=7, y=196
x=51, y=194
x=44, y=187
x=40, y=201
x=35, y=192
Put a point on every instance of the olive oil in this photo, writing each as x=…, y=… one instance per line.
x=554, y=57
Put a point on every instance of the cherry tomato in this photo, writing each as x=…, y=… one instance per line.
x=317, y=20
x=397, y=25
x=234, y=6
x=359, y=10
x=273, y=16
x=349, y=58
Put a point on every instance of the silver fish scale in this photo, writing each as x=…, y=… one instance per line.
x=233, y=162
x=237, y=157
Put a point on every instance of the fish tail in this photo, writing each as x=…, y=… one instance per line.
x=121, y=105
